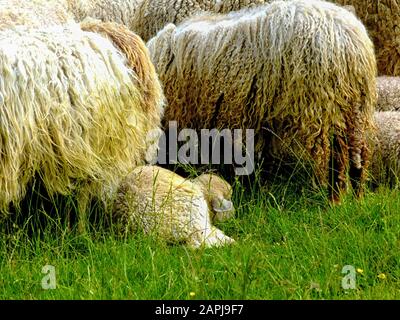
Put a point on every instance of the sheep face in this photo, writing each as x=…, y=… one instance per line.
x=218, y=194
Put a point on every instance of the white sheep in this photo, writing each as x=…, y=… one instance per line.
x=76, y=108
x=178, y=210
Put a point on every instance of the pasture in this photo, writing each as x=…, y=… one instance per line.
x=291, y=244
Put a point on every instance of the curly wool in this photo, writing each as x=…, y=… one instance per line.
x=388, y=93
x=304, y=70
x=382, y=19
x=160, y=202
x=385, y=144
x=33, y=13
x=152, y=15
x=76, y=109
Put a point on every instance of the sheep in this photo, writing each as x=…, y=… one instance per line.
x=33, y=13
x=300, y=73
x=152, y=15
x=160, y=202
x=77, y=102
x=388, y=93
x=385, y=144
x=382, y=19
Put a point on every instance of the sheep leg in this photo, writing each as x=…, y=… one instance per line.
x=358, y=175
x=83, y=199
x=209, y=237
x=338, y=171
x=359, y=153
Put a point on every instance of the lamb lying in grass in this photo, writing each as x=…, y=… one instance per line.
x=178, y=210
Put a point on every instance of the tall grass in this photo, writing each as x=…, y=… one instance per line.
x=291, y=244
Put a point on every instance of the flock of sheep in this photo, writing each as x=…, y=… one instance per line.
x=81, y=92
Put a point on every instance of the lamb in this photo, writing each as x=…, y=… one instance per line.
x=300, y=73
x=385, y=164
x=152, y=15
x=77, y=103
x=382, y=19
x=160, y=202
x=388, y=93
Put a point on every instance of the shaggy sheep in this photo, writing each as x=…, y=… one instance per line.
x=33, y=13
x=385, y=144
x=152, y=15
x=300, y=73
x=161, y=202
x=388, y=93
x=382, y=19
x=76, y=107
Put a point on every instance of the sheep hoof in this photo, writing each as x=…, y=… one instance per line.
x=217, y=240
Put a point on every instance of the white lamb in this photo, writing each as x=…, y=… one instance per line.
x=178, y=210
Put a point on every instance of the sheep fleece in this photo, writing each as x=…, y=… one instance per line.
x=304, y=70
x=33, y=13
x=73, y=110
x=152, y=15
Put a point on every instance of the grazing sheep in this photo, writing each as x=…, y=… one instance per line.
x=161, y=202
x=385, y=144
x=152, y=15
x=304, y=70
x=33, y=13
x=382, y=19
x=388, y=93
x=76, y=107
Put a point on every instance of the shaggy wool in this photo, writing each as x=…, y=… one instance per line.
x=75, y=109
x=382, y=19
x=33, y=13
x=152, y=15
x=300, y=73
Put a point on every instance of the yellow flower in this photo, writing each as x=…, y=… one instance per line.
x=361, y=271
x=192, y=294
x=382, y=276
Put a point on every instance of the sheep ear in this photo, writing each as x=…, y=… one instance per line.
x=222, y=205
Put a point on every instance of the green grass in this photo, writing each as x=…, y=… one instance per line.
x=291, y=244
